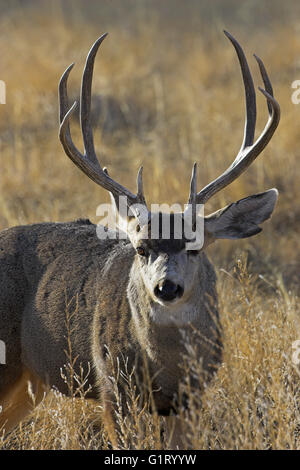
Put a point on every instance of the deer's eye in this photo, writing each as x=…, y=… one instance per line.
x=141, y=251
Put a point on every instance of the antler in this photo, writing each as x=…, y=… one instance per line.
x=88, y=162
x=90, y=165
x=249, y=151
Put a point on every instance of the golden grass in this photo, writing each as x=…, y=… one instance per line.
x=179, y=102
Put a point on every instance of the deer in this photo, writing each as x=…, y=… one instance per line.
x=136, y=296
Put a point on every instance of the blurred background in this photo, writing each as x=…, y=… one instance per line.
x=167, y=92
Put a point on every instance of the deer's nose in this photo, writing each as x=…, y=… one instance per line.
x=168, y=290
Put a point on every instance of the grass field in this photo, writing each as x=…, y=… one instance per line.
x=171, y=94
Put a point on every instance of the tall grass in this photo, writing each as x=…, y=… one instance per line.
x=167, y=101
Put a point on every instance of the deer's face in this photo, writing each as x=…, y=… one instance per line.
x=168, y=272
x=167, y=267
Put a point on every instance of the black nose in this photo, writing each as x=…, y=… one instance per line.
x=167, y=290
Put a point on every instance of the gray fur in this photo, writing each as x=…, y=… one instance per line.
x=44, y=266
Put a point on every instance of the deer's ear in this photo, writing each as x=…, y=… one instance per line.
x=241, y=219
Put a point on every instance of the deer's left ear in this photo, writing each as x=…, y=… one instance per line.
x=241, y=219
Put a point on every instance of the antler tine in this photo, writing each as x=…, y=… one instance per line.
x=193, y=194
x=64, y=116
x=140, y=187
x=249, y=151
x=250, y=96
x=266, y=80
x=85, y=101
x=88, y=162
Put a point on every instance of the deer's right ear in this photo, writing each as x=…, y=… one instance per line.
x=241, y=219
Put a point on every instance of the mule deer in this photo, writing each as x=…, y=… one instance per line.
x=136, y=297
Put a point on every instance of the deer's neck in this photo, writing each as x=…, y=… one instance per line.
x=161, y=329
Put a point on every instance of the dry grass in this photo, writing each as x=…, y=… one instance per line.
x=175, y=103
